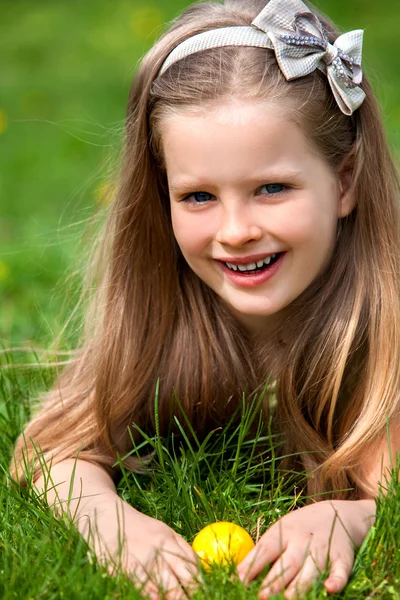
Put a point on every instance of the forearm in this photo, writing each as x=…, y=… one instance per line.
x=80, y=489
x=120, y=535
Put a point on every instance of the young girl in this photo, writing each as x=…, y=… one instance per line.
x=255, y=232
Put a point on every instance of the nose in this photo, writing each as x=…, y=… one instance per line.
x=237, y=226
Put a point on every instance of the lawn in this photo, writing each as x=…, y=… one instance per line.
x=188, y=485
x=66, y=69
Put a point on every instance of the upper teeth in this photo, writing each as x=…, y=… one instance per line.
x=251, y=266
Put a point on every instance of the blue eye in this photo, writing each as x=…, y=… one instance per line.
x=199, y=197
x=273, y=188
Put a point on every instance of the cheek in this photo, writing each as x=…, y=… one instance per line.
x=311, y=224
x=193, y=232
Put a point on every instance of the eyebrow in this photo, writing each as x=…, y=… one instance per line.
x=277, y=175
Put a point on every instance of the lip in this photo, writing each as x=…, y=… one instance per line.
x=254, y=279
x=246, y=260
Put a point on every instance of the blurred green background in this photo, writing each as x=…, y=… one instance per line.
x=65, y=72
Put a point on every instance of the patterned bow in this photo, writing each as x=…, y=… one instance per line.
x=301, y=46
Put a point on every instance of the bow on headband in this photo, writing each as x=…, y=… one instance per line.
x=301, y=46
x=298, y=38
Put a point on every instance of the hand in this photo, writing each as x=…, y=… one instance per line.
x=303, y=543
x=156, y=556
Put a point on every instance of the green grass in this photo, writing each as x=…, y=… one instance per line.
x=66, y=69
x=188, y=485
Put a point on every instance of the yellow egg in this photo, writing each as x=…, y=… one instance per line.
x=222, y=543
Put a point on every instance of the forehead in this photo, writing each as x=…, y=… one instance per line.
x=232, y=139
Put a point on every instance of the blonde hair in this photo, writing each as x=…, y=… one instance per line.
x=152, y=318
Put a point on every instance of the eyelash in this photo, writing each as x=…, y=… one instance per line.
x=189, y=197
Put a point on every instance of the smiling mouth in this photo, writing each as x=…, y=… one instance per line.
x=254, y=267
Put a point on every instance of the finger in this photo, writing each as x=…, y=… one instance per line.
x=145, y=581
x=188, y=565
x=282, y=572
x=309, y=573
x=150, y=591
x=339, y=574
x=186, y=577
x=154, y=593
x=270, y=547
x=163, y=583
x=177, y=593
x=183, y=563
x=183, y=569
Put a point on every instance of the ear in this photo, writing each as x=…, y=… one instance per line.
x=347, y=200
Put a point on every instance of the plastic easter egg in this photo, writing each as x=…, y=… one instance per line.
x=222, y=543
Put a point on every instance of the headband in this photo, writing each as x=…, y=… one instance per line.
x=300, y=43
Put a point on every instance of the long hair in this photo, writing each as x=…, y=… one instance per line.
x=152, y=318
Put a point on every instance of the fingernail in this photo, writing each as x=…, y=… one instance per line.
x=332, y=585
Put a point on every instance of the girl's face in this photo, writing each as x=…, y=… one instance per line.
x=254, y=208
